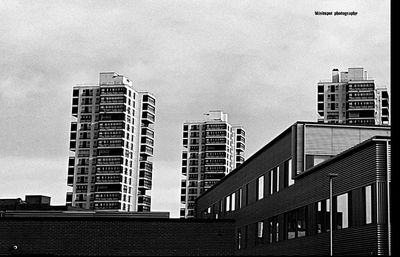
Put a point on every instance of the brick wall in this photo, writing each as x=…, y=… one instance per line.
x=115, y=237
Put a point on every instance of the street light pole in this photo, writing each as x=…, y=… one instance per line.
x=331, y=176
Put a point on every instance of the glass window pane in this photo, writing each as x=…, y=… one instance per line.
x=368, y=205
x=342, y=214
x=277, y=179
x=260, y=185
x=291, y=225
x=239, y=239
x=271, y=180
x=227, y=203
x=260, y=229
x=291, y=180
x=301, y=222
x=233, y=201
x=240, y=197
x=320, y=217
x=327, y=223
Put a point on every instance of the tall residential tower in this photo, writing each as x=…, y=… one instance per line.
x=111, y=144
x=211, y=149
x=352, y=98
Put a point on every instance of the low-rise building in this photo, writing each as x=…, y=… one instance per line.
x=279, y=197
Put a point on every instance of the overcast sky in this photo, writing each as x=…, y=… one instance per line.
x=258, y=61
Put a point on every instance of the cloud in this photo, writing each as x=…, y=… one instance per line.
x=259, y=61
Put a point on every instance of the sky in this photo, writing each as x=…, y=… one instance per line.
x=258, y=61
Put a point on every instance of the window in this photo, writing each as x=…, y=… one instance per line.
x=240, y=197
x=327, y=208
x=342, y=214
x=239, y=238
x=271, y=180
x=260, y=238
x=291, y=225
x=296, y=223
x=233, y=201
x=322, y=216
x=290, y=174
x=247, y=195
x=228, y=203
x=273, y=230
x=368, y=204
x=260, y=188
x=277, y=179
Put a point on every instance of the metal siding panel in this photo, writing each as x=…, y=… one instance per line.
x=299, y=148
x=334, y=140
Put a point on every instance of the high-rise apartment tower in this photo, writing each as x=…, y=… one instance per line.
x=352, y=98
x=211, y=149
x=111, y=144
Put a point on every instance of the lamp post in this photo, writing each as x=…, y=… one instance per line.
x=331, y=176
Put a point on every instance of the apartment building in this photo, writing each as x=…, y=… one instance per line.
x=352, y=98
x=211, y=149
x=111, y=146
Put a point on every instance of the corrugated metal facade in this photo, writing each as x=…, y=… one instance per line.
x=361, y=166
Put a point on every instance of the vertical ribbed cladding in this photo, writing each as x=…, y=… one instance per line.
x=382, y=219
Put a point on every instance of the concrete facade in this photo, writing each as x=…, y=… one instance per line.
x=352, y=98
x=211, y=149
x=111, y=146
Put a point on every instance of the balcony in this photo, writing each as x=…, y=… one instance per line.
x=107, y=205
x=149, y=99
x=220, y=162
x=145, y=184
x=240, y=147
x=111, y=125
x=216, y=141
x=111, y=143
x=72, y=146
x=106, y=179
x=146, y=150
x=148, y=132
x=214, y=176
x=215, y=148
x=149, y=108
x=112, y=108
x=108, y=187
x=70, y=180
x=112, y=117
x=144, y=199
x=110, y=151
x=147, y=117
x=146, y=165
x=143, y=174
x=216, y=126
x=239, y=159
x=112, y=90
x=109, y=161
x=111, y=134
x=112, y=100
x=240, y=138
x=109, y=169
x=99, y=198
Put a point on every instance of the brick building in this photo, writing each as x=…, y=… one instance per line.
x=89, y=233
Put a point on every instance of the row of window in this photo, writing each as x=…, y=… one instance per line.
x=267, y=184
x=308, y=220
